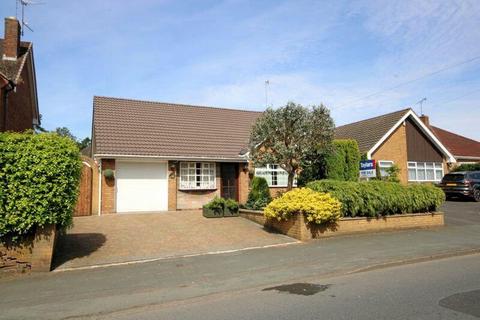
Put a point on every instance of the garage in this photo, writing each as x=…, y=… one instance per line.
x=141, y=186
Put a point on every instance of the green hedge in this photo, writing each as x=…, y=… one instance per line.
x=468, y=167
x=374, y=198
x=340, y=162
x=344, y=161
x=39, y=177
x=259, y=195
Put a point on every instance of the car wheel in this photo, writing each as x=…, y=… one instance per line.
x=476, y=195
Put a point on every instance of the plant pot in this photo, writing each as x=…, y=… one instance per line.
x=210, y=213
x=228, y=213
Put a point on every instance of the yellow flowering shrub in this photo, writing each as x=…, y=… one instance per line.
x=318, y=207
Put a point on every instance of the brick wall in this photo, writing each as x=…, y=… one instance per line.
x=243, y=183
x=298, y=228
x=108, y=188
x=172, y=185
x=395, y=149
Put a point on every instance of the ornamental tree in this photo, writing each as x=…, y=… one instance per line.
x=284, y=136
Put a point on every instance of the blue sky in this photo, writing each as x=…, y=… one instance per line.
x=220, y=53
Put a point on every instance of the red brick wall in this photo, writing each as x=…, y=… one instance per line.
x=108, y=188
x=243, y=183
x=20, y=103
x=172, y=185
x=12, y=38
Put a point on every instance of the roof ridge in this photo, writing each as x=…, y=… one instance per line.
x=174, y=104
x=376, y=117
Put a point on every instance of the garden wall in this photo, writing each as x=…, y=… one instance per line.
x=33, y=252
x=297, y=227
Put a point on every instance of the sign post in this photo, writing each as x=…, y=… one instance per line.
x=368, y=169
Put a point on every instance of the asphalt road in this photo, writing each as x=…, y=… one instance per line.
x=461, y=212
x=443, y=289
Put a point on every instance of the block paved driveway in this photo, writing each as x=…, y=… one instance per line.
x=120, y=238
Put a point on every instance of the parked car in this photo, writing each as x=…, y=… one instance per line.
x=462, y=184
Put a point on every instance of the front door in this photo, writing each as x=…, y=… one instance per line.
x=229, y=181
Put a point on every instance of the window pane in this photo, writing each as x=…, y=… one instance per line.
x=429, y=165
x=430, y=174
x=412, y=174
x=439, y=174
x=420, y=174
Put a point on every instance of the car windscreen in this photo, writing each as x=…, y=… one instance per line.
x=453, y=177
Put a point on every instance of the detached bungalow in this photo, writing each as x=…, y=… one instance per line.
x=401, y=138
x=171, y=156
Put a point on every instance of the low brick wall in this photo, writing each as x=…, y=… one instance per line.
x=33, y=252
x=299, y=228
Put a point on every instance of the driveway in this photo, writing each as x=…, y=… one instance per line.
x=123, y=238
x=461, y=212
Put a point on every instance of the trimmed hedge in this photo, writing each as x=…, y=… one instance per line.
x=372, y=198
x=39, y=180
x=343, y=163
x=339, y=162
x=468, y=167
x=317, y=207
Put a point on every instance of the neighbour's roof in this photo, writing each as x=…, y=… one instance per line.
x=458, y=145
x=144, y=128
x=13, y=69
x=368, y=132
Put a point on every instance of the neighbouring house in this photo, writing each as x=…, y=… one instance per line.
x=18, y=97
x=401, y=138
x=465, y=150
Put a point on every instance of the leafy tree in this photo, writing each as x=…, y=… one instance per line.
x=84, y=143
x=468, y=167
x=285, y=136
x=65, y=132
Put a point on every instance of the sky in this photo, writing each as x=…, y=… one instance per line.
x=359, y=58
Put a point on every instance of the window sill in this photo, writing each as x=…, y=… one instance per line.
x=197, y=189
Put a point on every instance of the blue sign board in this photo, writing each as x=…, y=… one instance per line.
x=368, y=169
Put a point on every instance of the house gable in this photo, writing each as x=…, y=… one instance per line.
x=419, y=146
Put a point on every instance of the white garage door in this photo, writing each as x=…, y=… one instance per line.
x=141, y=186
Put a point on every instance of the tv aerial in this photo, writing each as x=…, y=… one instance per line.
x=24, y=4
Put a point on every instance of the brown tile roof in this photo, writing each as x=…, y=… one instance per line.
x=368, y=132
x=457, y=145
x=12, y=69
x=143, y=128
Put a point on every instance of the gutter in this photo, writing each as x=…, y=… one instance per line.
x=9, y=88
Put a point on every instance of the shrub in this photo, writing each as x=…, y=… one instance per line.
x=232, y=205
x=340, y=162
x=259, y=195
x=317, y=207
x=39, y=179
x=216, y=204
x=372, y=198
x=468, y=167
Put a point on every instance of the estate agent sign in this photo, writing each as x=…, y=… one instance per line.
x=368, y=169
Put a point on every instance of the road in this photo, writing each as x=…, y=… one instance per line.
x=443, y=289
x=183, y=284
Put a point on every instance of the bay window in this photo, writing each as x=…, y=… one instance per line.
x=425, y=171
x=274, y=174
x=197, y=175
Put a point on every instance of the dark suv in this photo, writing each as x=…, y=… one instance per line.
x=462, y=184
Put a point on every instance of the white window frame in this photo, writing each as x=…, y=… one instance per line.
x=271, y=173
x=197, y=176
x=421, y=166
x=383, y=165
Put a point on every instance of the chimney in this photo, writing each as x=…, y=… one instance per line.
x=11, y=43
x=425, y=120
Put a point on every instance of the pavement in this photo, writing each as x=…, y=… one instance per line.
x=124, y=238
